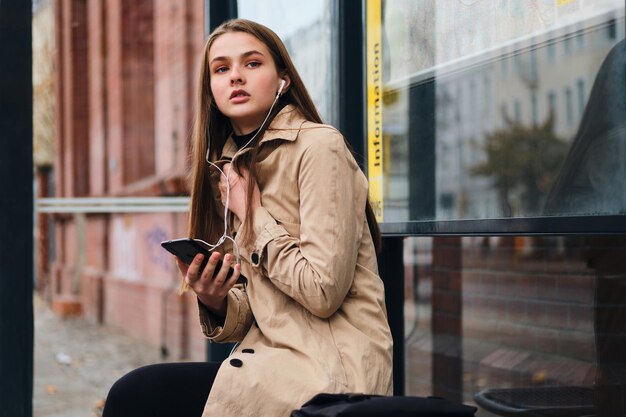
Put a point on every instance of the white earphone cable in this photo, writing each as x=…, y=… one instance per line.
x=225, y=236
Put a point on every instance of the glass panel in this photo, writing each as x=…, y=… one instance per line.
x=309, y=35
x=496, y=318
x=495, y=109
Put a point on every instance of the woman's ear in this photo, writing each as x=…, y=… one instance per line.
x=285, y=82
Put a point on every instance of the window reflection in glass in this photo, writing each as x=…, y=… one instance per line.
x=308, y=34
x=484, y=102
x=505, y=313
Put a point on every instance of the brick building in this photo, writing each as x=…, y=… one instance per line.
x=125, y=90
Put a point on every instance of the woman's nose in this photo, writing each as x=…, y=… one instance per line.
x=235, y=76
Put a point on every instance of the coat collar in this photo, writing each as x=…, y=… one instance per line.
x=285, y=126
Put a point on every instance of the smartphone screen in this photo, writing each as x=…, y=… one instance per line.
x=186, y=249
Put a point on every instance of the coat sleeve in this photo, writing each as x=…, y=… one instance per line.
x=317, y=269
x=236, y=323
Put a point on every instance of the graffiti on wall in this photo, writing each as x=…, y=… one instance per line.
x=156, y=254
x=124, y=248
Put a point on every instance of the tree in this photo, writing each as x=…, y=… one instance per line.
x=522, y=159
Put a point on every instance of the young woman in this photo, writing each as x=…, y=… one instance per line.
x=286, y=202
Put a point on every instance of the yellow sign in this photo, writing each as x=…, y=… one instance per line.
x=374, y=107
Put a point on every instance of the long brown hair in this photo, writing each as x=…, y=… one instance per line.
x=212, y=128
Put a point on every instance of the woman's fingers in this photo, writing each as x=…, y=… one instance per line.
x=193, y=270
x=211, y=283
x=233, y=176
x=223, y=182
x=232, y=280
x=209, y=269
x=222, y=275
x=182, y=267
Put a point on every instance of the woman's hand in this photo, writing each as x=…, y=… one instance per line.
x=238, y=192
x=211, y=290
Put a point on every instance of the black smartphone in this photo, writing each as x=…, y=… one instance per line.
x=186, y=249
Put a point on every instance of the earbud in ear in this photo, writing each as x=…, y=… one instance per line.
x=280, y=89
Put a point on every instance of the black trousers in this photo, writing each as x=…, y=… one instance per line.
x=162, y=390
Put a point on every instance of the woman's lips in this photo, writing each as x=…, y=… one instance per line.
x=239, y=96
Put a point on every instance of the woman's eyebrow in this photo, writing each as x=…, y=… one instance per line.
x=243, y=55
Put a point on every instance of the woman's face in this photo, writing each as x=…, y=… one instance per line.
x=244, y=79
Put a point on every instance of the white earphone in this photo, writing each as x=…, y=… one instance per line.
x=280, y=89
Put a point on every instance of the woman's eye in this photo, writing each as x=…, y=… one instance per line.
x=221, y=69
x=253, y=64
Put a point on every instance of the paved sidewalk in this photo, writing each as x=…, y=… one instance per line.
x=76, y=362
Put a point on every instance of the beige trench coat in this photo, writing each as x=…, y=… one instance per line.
x=312, y=318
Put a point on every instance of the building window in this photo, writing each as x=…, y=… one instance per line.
x=569, y=106
x=517, y=108
x=611, y=28
x=567, y=45
x=503, y=109
x=517, y=59
x=533, y=108
x=552, y=103
x=446, y=201
x=473, y=103
x=580, y=87
x=580, y=38
x=504, y=67
x=551, y=52
x=533, y=64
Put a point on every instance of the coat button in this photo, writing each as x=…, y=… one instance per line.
x=237, y=363
x=255, y=258
x=247, y=351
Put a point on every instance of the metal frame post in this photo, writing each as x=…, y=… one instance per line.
x=16, y=209
x=391, y=267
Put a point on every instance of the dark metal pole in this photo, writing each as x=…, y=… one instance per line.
x=350, y=84
x=391, y=268
x=217, y=12
x=422, y=131
x=16, y=210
